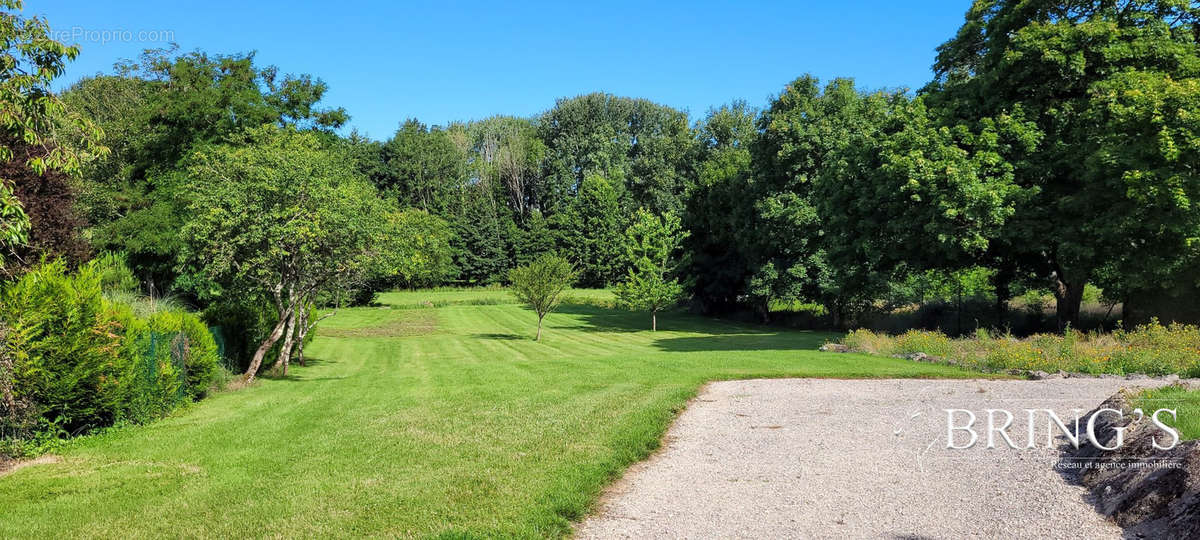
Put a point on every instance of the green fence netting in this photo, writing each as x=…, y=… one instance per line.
x=160, y=374
x=229, y=351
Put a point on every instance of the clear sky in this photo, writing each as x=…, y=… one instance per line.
x=444, y=61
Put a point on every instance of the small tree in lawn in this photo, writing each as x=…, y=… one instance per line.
x=649, y=245
x=540, y=284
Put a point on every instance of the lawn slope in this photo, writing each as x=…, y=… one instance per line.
x=416, y=421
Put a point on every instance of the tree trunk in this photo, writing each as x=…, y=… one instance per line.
x=1068, y=296
x=654, y=321
x=303, y=324
x=285, y=352
x=1002, y=282
x=539, y=332
x=300, y=348
x=835, y=314
x=958, y=308
x=266, y=345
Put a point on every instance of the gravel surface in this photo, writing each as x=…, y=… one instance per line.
x=818, y=458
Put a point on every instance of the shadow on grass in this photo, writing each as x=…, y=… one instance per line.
x=293, y=377
x=312, y=362
x=719, y=335
x=502, y=336
x=600, y=319
x=765, y=341
x=297, y=372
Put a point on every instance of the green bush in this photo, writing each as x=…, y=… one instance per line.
x=67, y=356
x=115, y=275
x=201, y=359
x=242, y=324
x=76, y=360
x=155, y=381
x=172, y=357
x=18, y=416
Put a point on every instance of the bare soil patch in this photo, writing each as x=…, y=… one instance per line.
x=9, y=466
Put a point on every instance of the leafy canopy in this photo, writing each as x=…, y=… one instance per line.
x=413, y=249
x=1110, y=88
x=33, y=121
x=276, y=210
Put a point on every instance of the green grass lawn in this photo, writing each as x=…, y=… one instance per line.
x=417, y=422
x=1185, y=402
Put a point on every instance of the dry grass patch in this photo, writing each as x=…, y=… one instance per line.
x=397, y=323
x=8, y=466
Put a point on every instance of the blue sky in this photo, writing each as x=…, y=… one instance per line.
x=446, y=61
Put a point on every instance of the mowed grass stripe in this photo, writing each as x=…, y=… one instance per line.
x=470, y=430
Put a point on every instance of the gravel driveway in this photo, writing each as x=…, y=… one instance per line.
x=814, y=458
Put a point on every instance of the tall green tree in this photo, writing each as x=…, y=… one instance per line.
x=424, y=167
x=414, y=249
x=1108, y=85
x=199, y=98
x=589, y=232
x=802, y=133
x=480, y=240
x=161, y=108
x=646, y=145
x=911, y=195
x=651, y=246
x=537, y=238
x=1151, y=136
x=366, y=156
x=115, y=104
x=715, y=214
x=854, y=189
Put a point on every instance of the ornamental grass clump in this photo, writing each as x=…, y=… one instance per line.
x=866, y=341
x=931, y=343
x=1150, y=349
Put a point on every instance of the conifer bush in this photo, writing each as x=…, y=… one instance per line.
x=76, y=360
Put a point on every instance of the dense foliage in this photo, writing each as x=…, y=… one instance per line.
x=1109, y=90
x=35, y=126
x=276, y=217
x=77, y=360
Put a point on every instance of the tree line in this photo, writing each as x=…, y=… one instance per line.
x=1056, y=147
